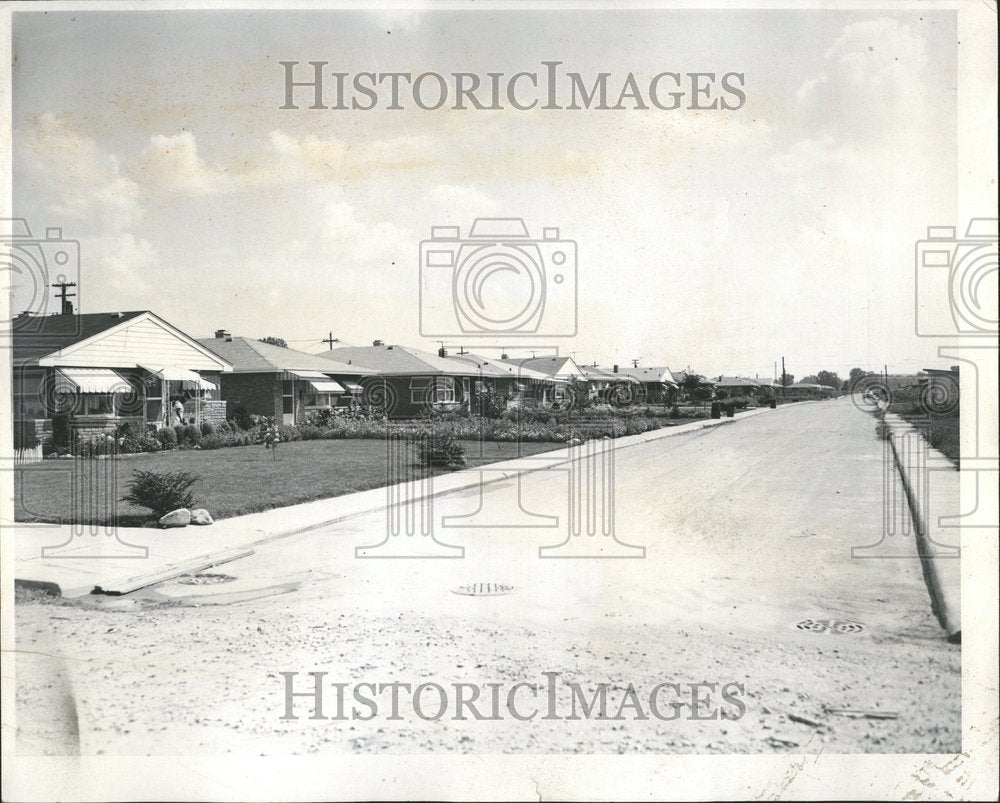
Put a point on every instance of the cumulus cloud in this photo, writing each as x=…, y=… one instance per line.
x=363, y=240
x=73, y=178
x=172, y=164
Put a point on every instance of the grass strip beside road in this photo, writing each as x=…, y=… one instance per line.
x=231, y=482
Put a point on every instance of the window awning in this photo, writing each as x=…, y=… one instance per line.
x=173, y=373
x=310, y=375
x=326, y=386
x=91, y=380
x=353, y=388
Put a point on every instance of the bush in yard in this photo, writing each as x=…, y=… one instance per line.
x=60, y=431
x=441, y=449
x=24, y=435
x=167, y=437
x=161, y=492
x=240, y=416
x=189, y=435
x=206, y=428
x=492, y=404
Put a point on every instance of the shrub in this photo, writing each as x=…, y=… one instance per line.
x=24, y=435
x=441, y=449
x=60, y=431
x=167, y=437
x=492, y=404
x=206, y=428
x=189, y=435
x=161, y=492
x=240, y=417
x=322, y=417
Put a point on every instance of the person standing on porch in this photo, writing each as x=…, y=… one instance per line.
x=179, y=411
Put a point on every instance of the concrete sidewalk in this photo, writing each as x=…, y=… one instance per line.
x=932, y=486
x=74, y=560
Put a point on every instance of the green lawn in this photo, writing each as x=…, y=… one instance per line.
x=239, y=480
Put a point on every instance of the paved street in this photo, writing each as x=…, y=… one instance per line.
x=748, y=530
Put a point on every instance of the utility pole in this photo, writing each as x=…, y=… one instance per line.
x=66, y=305
x=784, y=376
x=330, y=340
x=635, y=363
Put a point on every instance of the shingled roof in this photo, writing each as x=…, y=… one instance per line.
x=401, y=361
x=249, y=356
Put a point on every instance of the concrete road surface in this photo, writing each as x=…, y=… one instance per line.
x=747, y=583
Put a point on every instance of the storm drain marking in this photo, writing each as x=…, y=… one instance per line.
x=204, y=579
x=483, y=590
x=836, y=626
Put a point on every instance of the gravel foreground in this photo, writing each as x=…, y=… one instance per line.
x=148, y=676
x=749, y=531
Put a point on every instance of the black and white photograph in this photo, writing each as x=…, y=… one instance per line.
x=499, y=401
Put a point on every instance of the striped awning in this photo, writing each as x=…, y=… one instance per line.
x=173, y=373
x=326, y=386
x=353, y=388
x=91, y=380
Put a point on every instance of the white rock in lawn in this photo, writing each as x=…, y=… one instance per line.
x=176, y=518
x=201, y=516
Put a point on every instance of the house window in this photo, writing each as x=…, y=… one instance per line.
x=432, y=389
x=96, y=403
x=287, y=396
x=319, y=400
x=444, y=389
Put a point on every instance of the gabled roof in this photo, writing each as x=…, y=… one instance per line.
x=740, y=381
x=249, y=355
x=680, y=376
x=400, y=361
x=38, y=335
x=552, y=364
x=502, y=368
x=108, y=339
x=593, y=373
x=652, y=373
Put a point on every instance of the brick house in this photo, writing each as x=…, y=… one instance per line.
x=611, y=387
x=96, y=371
x=658, y=384
x=523, y=387
x=282, y=383
x=412, y=381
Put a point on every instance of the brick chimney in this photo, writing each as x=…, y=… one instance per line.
x=378, y=343
x=222, y=334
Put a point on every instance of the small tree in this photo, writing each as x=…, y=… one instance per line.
x=274, y=341
x=272, y=437
x=161, y=492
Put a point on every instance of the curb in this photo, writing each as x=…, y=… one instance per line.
x=480, y=480
x=945, y=606
x=476, y=476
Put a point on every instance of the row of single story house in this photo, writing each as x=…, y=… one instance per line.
x=99, y=370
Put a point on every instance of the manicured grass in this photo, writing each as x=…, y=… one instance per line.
x=234, y=481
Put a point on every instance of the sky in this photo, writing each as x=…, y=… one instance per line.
x=719, y=240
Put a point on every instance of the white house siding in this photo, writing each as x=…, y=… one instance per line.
x=140, y=341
